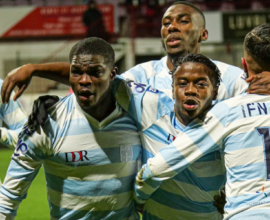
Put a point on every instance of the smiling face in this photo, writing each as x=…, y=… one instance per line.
x=193, y=91
x=182, y=30
x=90, y=78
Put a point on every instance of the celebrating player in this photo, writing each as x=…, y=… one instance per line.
x=238, y=127
x=189, y=195
x=88, y=160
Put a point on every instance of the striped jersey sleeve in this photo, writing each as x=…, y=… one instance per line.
x=14, y=117
x=143, y=102
x=99, y=158
x=24, y=166
x=201, y=137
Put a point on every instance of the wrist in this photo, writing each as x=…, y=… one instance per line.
x=31, y=69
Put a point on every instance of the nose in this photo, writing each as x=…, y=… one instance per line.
x=85, y=80
x=173, y=27
x=191, y=90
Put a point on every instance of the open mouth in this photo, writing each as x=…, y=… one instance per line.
x=86, y=95
x=190, y=104
x=172, y=41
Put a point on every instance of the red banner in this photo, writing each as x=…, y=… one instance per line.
x=57, y=21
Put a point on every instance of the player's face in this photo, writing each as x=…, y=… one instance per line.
x=193, y=91
x=90, y=79
x=181, y=30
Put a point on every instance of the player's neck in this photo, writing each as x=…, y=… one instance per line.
x=183, y=120
x=104, y=107
x=172, y=57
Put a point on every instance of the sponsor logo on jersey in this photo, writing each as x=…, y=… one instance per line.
x=150, y=89
x=76, y=156
x=20, y=147
x=263, y=192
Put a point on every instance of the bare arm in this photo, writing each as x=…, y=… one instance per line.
x=21, y=77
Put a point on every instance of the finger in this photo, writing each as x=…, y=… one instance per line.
x=216, y=198
x=259, y=91
x=223, y=195
x=3, y=89
x=34, y=109
x=19, y=92
x=8, y=90
x=249, y=79
x=257, y=80
x=258, y=83
x=41, y=114
x=262, y=86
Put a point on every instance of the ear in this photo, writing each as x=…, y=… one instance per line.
x=114, y=71
x=173, y=91
x=215, y=93
x=244, y=63
x=204, y=35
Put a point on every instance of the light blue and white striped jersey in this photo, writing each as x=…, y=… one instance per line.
x=189, y=195
x=239, y=127
x=14, y=117
x=89, y=165
x=156, y=74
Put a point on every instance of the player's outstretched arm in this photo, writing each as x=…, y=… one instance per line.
x=199, y=139
x=21, y=77
x=259, y=84
x=24, y=166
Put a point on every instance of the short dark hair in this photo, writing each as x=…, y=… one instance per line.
x=198, y=58
x=257, y=44
x=192, y=6
x=94, y=46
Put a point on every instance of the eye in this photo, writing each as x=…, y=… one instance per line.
x=184, y=21
x=182, y=84
x=75, y=73
x=202, y=84
x=166, y=23
x=97, y=73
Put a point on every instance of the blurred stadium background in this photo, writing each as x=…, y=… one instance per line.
x=38, y=31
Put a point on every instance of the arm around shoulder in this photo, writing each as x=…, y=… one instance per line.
x=21, y=77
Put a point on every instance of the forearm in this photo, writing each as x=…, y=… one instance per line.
x=19, y=177
x=54, y=71
x=198, y=140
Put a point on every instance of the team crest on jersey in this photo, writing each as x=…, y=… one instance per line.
x=126, y=153
x=170, y=138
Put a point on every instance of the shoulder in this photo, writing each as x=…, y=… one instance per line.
x=246, y=99
x=153, y=100
x=147, y=68
x=60, y=110
x=225, y=68
x=57, y=115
